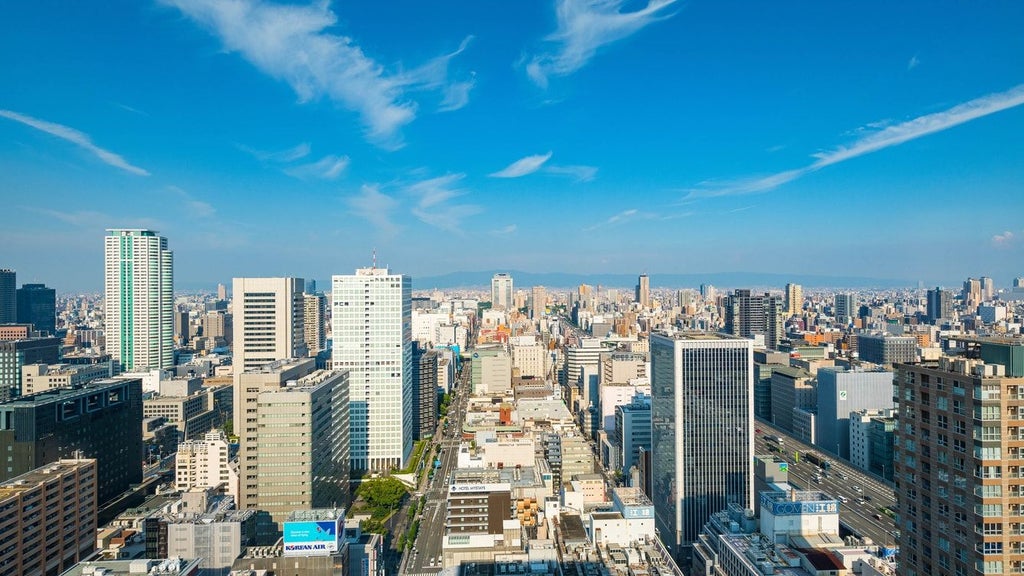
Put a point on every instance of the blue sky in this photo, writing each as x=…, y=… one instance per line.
x=877, y=139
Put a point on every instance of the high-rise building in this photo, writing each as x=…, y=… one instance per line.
x=424, y=368
x=940, y=304
x=845, y=308
x=885, y=349
x=222, y=292
x=101, y=420
x=538, y=302
x=972, y=293
x=748, y=315
x=841, y=391
x=8, y=296
x=633, y=431
x=268, y=321
x=312, y=412
x=182, y=328
x=643, y=291
x=49, y=521
x=315, y=318
x=16, y=354
x=988, y=288
x=501, y=292
x=959, y=468
x=138, y=299
x=702, y=423
x=794, y=299
x=37, y=305
x=371, y=321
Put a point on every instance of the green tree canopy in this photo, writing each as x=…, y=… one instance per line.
x=382, y=492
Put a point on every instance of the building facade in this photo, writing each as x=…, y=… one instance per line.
x=702, y=431
x=138, y=313
x=315, y=320
x=643, y=291
x=425, y=366
x=49, y=518
x=841, y=391
x=16, y=354
x=8, y=296
x=371, y=321
x=37, y=305
x=748, y=315
x=501, y=292
x=794, y=300
x=268, y=316
x=201, y=464
x=102, y=420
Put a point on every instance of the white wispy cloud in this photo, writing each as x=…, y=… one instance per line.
x=77, y=138
x=93, y=219
x=874, y=140
x=584, y=26
x=1004, y=240
x=327, y=168
x=576, y=172
x=913, y=63
x=434, y=206
x=505, y=230
x=375, y=207
x=292, y=43
x=523, y=166
x=192, y=204
x=623, y=216
x=297, y=152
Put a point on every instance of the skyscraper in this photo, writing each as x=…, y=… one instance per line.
x=371, y=320
x=702, y=420
x=501, y=292
x=538, y=302
x=940, y=304
x=139, y=299
x=37, y=305
x=268, y=321
x=794, y=299
x=747, y=315
x=958, y=460
x=643, y=291
x=315, y=318
x=424, y=366
x=972, y=293
x=845, y=308
x=8, y=302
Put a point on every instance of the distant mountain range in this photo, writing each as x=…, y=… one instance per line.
x=482, y=279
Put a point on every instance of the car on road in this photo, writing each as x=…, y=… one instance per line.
x=857, y=488
x=878, y=516
x=843, y=498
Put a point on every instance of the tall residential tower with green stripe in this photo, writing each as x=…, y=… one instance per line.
x=139, y=290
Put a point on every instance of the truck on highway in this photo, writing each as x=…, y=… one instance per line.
x=774, y=442
x=818, y=460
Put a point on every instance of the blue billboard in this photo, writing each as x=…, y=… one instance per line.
x=310, y=538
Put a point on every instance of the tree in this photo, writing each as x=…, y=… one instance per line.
x=382, y=493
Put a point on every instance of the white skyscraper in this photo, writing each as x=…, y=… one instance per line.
x=501, y=292
x=268, y=316
x=372, y=339
x=139, y=299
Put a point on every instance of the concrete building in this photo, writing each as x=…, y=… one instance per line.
x=15, y=354
x=502, y=292
x=206, y=528
x=478, y=517
x=49, y=518
x=268, y=322
x=622, y=367
x=748, y=315
x=633, y=431
x=98, y=420
x=202, y=464
x=141, y=567
x=845, y=308
x=302, y=458
x=886, y=350
x=425, y=407
x=315, y=322
x=588, y=353
x=702, y=411
x=8, y=296
x=41, y=377
x=611, y=396
x=794, y=300
x=37, y=305
x=538, y=302
x=643, y=291
x=940, y=304
x=138, y=313
x=792, y=388
x=958, y=461
x=192, y=415
x=372, y=339
x=529, y=357
x=841, y=391
x=491, y=370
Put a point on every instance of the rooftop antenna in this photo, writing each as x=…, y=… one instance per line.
x=374, y=259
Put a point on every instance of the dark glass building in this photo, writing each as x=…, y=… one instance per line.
x=702, y=427
x=101, y=420
x=37, y=305
x=424, y=377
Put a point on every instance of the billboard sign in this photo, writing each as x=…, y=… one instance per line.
x=308, y=538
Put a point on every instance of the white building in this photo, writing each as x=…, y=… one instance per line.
x=529, y=356
x=501, y=292
x=204, y=463
x=372, y=339
x=138, y=301
x=268, y=321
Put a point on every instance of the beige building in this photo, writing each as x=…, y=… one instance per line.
x=530, y=357
x=48, y=519
x=794, y=300
x=201, y=464
x=302, y=448
x=314, y=311
x=193, y=415
x=268, y=321
x=37, y=378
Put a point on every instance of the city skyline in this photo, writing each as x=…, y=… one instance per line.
x=861, y=140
